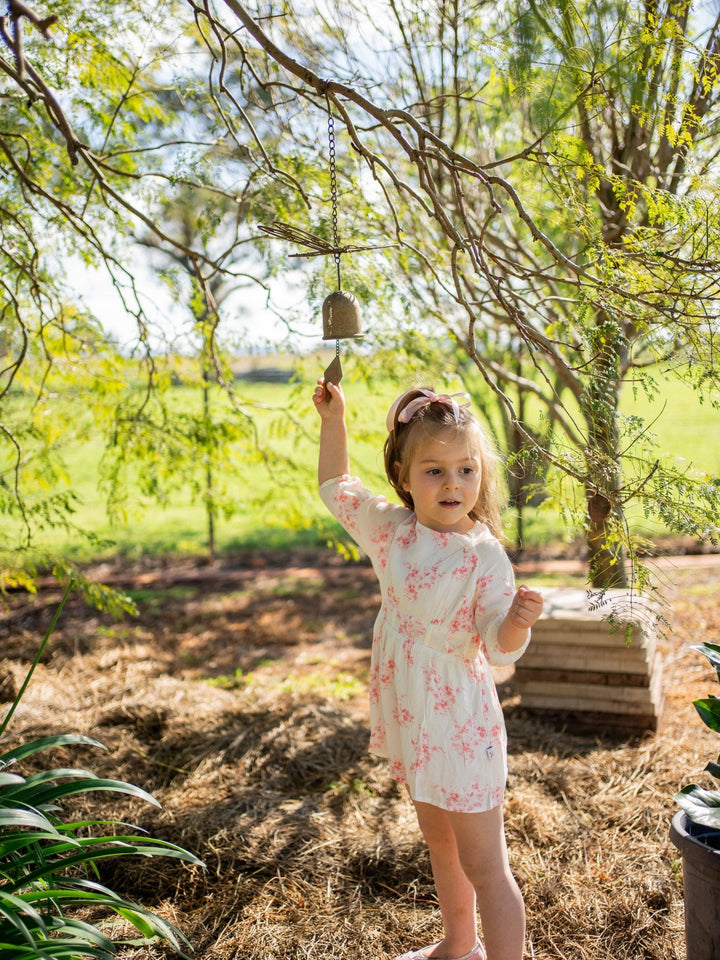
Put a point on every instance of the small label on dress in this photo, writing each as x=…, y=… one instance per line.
x=490, y=751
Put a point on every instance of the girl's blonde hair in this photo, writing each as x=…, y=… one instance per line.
x=431, y=419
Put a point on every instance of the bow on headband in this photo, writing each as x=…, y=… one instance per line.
x=428, y=397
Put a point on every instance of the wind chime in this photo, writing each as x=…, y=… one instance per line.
x=341, y=311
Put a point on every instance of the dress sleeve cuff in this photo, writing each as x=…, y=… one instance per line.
x=338, y=479
x=499, y=657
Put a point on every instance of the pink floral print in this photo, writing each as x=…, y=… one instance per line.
x=402, y=714
x=470, y=738
x=434, y=710
x=423, y=749
x=441, y=694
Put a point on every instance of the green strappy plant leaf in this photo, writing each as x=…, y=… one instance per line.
x=47, y=858
x=712, y=652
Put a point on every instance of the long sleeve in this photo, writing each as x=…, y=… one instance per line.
x=370, y=520
x=492, y=602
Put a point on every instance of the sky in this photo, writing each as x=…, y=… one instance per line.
x=248, y=323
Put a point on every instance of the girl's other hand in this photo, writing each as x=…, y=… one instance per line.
x=526, y=607
x=332, y=409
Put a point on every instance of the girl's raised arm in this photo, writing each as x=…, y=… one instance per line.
x=333, y=460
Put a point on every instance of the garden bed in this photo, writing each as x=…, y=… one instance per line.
x=239, y=700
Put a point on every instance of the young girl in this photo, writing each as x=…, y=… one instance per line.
x=449, y=609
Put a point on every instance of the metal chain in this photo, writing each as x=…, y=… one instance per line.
x=334, y=201
x=333, y=190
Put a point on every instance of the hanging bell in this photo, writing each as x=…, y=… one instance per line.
x=341, y=316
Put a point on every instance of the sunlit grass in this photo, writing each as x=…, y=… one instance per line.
x=278, y=508
x=316, y=683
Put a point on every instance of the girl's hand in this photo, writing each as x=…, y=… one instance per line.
x=332, y=409
x=525, y=609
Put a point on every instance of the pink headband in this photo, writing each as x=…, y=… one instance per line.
x=428, y=397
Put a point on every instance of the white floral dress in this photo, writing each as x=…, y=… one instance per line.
x=434, y=709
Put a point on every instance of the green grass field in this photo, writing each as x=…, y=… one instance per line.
x=278, y=508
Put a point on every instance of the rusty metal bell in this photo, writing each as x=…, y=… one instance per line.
x=341, y=316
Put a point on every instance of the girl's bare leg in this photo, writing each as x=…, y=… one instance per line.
x=455, y=893
x=482, y=851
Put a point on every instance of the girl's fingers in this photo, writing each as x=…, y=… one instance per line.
x=328, y=399
x=527, y=606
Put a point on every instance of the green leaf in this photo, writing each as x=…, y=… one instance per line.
x=47, y=743
x=712, y=652
x=12, y=909
x=70, y=948
x=28, y=676
x=60, y=858
x=701, y=806
x=13, y=843
x=709, y=710
x=81, y=933
x=714, y=768
x=9, y=778
x=90, y=894
x=27, y=819
x=138, y=921
x=25, y=790
x=49, y=793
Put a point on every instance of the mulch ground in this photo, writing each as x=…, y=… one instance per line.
x=238, y=698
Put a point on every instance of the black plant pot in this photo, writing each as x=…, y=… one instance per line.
x=700, y=849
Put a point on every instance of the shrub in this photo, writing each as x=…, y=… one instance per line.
x=49, y=864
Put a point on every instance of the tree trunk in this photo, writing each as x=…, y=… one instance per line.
x=209, y=479
x=604, y=512
x=607, y=557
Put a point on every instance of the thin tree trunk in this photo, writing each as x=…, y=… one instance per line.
x=607, y=555
x=607, y=558
x=209, y=492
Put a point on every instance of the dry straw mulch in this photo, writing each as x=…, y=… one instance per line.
x=239, y=703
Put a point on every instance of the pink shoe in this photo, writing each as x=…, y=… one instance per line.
x=477, y=953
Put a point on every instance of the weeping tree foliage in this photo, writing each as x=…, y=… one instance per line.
x=532, y=184
x=207, y=222
x=108, y=128
x=547, y=174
